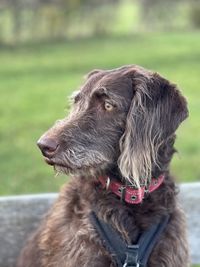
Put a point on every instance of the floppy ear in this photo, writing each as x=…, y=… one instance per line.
x=156, y=110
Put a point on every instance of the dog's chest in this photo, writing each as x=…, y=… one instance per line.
x=76, y=244
x=69, y=239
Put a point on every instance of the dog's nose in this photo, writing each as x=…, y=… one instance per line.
x=47, y=146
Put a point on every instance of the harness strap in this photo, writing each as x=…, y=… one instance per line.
x=110, y=238
x=149, y=238
x=125, y=255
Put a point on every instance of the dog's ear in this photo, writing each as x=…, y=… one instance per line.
x=156, y=110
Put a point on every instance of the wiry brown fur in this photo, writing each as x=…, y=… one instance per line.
x=133, y=141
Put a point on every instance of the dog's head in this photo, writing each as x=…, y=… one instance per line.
x=120, y=119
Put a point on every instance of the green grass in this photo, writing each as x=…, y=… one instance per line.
x=36, y=79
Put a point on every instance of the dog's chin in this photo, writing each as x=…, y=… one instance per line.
x=64, y=168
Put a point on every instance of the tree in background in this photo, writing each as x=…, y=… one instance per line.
x=195, y=13
x=22, y=20
x=158, y=14
x=41, y=19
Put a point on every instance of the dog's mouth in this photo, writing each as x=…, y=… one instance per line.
x=52, y=162
x=59, y=167
x=67, y=168
x=49, y=161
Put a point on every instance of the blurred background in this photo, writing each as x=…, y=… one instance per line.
x=47, y=46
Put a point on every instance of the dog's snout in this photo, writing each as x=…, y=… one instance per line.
x=48, y=146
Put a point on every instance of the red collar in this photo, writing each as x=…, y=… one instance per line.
x=128, y=193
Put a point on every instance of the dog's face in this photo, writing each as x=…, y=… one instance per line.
x=88, y=139
x=119, y=118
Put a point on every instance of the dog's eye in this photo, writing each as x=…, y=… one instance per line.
x=108, y=106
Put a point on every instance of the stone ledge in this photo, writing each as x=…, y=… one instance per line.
x=20, y=215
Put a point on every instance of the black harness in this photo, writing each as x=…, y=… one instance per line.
x=125, y=255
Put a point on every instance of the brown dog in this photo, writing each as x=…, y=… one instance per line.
x=122, y=126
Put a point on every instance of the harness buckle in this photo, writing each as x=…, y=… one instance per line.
x=132, y=256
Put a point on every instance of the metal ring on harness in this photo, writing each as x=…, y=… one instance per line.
x=125, y=265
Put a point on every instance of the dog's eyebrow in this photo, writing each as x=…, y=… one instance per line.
x=101, y=91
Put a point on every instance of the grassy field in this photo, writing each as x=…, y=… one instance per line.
x=36, y=80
